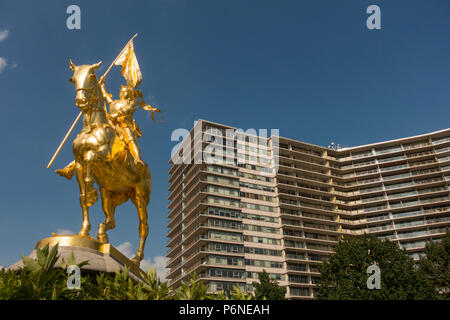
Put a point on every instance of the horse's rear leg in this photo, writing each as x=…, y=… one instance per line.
x=85, y=200
x=109, y=207
x=141, y=202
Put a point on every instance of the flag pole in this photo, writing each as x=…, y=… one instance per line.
x=81, y=112
x=64, y=140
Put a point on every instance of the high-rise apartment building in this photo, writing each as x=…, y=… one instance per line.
x=240, y=203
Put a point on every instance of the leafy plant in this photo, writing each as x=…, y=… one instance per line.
x=192, y=290
x=268, y=289
x=38, y=279
x=9, y=282
x=119, y=287
x=238, y=294
x=158, y=290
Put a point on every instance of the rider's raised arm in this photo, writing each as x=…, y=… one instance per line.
x=106, y=94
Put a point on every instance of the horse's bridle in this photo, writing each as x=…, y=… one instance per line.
x=92, y=95
x=87, y=89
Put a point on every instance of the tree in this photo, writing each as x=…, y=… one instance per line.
x=268, y=289
x=435, y=265
x=345, y=275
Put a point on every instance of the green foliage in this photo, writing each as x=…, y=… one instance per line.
x=157, y=289
x=345, y=276
x=268, y=289
x=238, y=294
x=72, y=261
x=193, y=290
x=436, y=267
x=121, y=286
x=235, y=294
x=221, y=296
x=9, y=282
x=38, y=280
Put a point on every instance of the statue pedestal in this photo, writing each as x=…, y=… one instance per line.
x=101, y=257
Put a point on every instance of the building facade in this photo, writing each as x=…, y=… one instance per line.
x=241, y=203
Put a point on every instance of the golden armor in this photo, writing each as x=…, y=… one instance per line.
x=121, y=115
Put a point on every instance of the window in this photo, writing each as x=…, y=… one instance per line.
x=304, y=292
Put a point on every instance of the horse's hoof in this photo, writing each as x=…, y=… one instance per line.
x=83, y=233
x=102, y=238
x=137, y=260
x=66, y=173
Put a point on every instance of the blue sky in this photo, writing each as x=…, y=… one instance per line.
x=310, y=68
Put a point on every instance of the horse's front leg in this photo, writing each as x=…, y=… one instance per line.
x=90, y=193
x=109, y=206
x=85, y=204
x=102, y=153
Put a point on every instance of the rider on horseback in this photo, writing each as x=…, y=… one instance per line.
x=121, y=115
x=104, y=159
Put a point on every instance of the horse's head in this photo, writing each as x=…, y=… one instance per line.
x=86, y=84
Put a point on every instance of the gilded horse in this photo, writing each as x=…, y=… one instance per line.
x=101, y=157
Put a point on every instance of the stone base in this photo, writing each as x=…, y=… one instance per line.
x=101, y=257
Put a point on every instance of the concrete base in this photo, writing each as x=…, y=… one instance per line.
x=101, y=257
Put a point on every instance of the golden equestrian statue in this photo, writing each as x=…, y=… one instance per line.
x=106, y=150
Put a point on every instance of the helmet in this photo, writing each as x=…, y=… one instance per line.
x=126, y=92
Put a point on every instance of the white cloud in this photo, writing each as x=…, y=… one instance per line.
x=4, y=34
x=158, y=262
x=64, y=232
x=126, y=248
x=3, y=64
